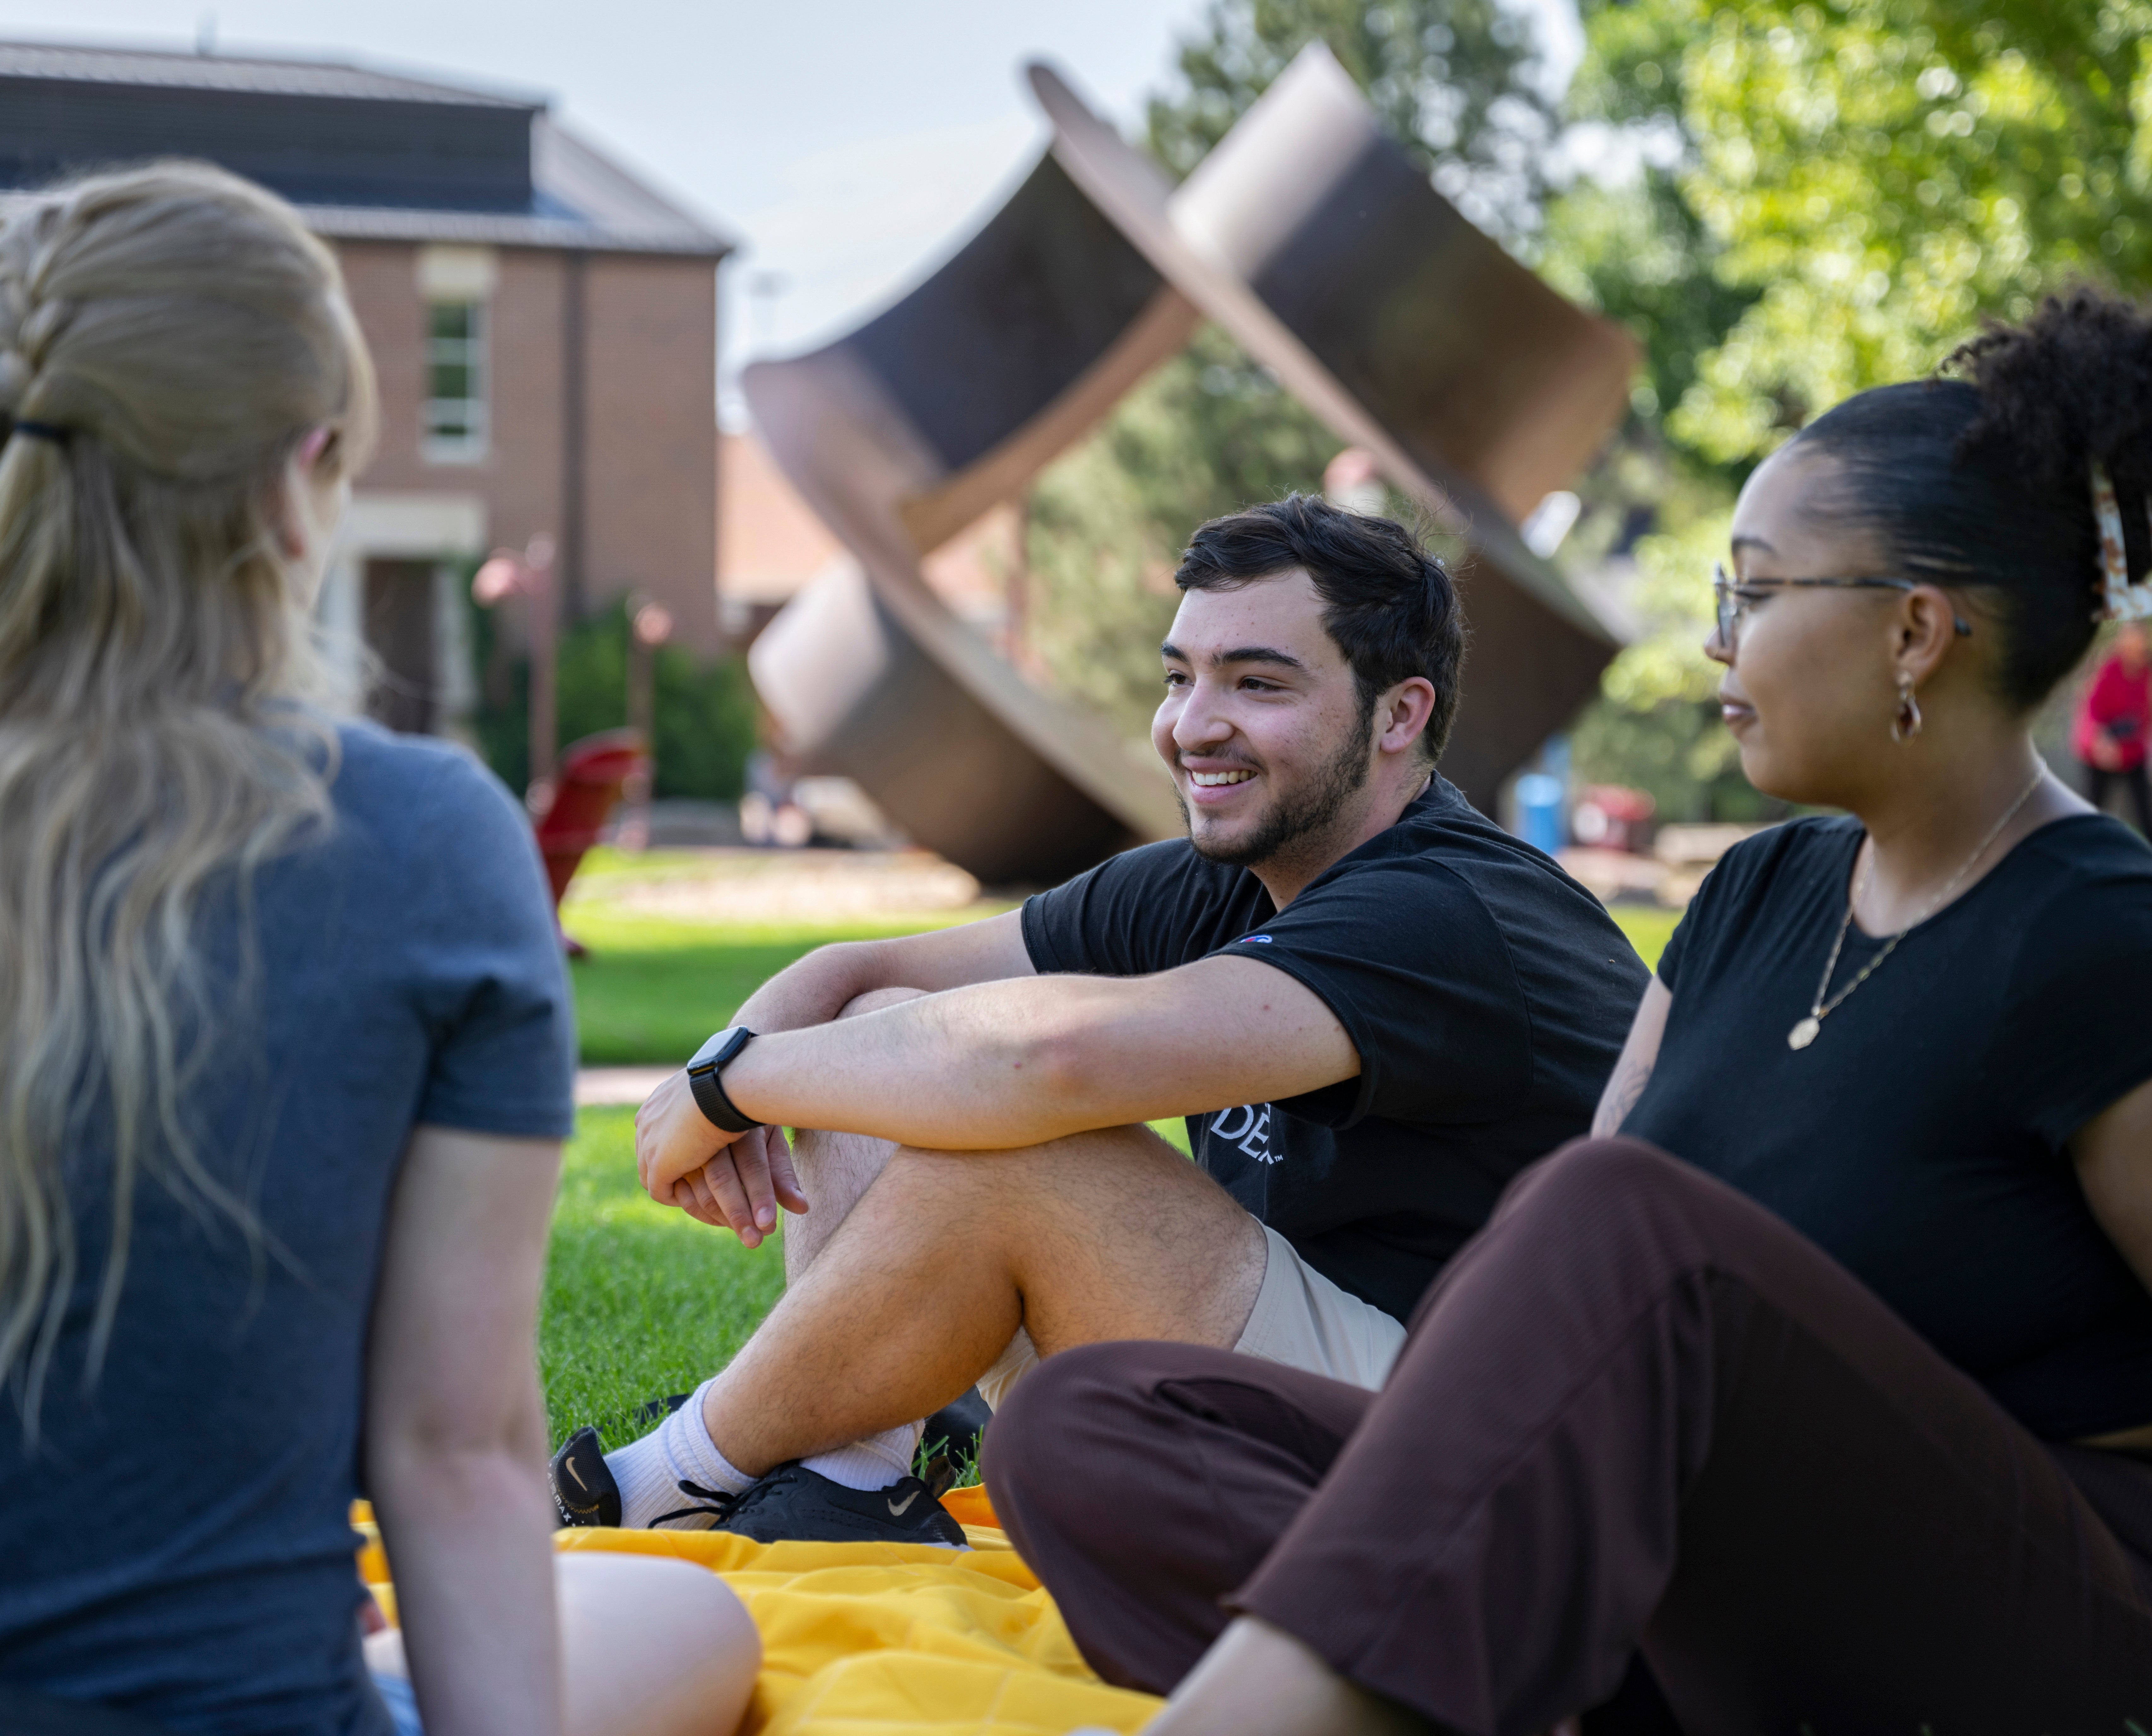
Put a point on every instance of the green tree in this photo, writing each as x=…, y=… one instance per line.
x=1637, y=252
x=1856, y=186
x=702, y=713
x=1459, y=84
x=1882, y=174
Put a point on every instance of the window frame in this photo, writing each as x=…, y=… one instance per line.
x=472, y=438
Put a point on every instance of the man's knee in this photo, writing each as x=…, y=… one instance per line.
x=925, y=1168
x=980, y=1188
x=874, y=999
x=1103, y=1161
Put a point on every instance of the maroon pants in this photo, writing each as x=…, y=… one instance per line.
x=1638, y=1413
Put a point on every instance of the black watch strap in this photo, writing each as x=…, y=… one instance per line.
x=704, y=1080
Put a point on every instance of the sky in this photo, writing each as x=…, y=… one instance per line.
x=849, y=145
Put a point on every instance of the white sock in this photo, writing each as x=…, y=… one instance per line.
x=679, y=1449
x=874, y=1463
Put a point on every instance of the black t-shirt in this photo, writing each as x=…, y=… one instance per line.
x=1487, y=992
x=1922, y=1139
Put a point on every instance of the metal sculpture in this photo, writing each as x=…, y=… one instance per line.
x=1322, y=249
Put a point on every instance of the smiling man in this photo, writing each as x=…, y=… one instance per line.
x=1373, y=1006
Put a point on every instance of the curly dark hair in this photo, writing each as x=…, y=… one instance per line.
x=1388, y=605
x=1981, y=476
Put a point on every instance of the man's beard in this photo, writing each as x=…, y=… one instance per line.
x=1296, y=821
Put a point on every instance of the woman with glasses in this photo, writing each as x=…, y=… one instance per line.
x=1820, y=1379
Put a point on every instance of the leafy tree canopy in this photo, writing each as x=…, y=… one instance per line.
x=1881, y=173
x=1835, y=195
x=1859, y=184
x=1459, y=83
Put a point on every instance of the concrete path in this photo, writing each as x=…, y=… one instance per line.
x=597, y=1086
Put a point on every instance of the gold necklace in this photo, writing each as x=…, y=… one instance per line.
x=1810, y=1028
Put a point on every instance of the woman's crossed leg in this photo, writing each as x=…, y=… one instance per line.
x=1638, y=1413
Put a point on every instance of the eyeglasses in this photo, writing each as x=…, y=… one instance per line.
x=1733, y=597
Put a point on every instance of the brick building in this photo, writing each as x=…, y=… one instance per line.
x=544, y=323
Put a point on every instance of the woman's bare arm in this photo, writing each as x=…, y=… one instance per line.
x=455, y=1431
x=1640, y=1054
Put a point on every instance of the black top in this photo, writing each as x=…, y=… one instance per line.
x=1922, y=1139
x=1487, y=992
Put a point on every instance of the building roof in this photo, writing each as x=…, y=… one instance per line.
x=582, y=199
x=90, y=63
x=366, y=154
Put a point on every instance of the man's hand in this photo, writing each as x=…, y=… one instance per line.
x=735, y=1190
x=732, y=1182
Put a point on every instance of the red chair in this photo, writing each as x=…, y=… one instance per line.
x=586, y=789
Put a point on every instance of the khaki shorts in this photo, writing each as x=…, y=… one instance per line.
x=1300, y=1319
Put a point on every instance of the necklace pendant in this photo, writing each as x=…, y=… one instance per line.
x=1803, y=1034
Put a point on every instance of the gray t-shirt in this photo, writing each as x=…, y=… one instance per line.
x=178, y=1542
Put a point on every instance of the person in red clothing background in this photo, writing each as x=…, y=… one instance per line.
x=2113, y=719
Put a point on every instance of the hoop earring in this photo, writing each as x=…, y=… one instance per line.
x=1906, y=723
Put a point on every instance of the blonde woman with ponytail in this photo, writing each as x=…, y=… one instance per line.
x=285, y=1057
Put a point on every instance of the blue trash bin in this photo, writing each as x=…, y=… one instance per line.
x=1539, y=811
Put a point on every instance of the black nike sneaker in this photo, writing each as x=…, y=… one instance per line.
x=793, y=1503
x=584, y=1492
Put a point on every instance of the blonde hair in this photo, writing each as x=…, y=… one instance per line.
x=172, y=337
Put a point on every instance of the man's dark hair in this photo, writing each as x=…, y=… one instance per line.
x=1388, y=605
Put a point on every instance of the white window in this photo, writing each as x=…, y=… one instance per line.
x=454, y=416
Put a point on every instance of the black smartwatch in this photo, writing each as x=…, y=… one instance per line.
x=709, y=1091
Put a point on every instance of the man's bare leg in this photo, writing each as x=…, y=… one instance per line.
x=835, y=1169
x=1105, y=1234
x=934, y=1261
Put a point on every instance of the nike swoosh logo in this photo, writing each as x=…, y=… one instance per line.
x=568, y=1466
x=896, y=1508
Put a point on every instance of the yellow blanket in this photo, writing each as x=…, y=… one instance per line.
x=878, y=1640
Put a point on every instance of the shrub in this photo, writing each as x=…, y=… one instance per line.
x=703, y=714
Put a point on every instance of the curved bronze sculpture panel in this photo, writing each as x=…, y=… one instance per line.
x=1320, y=246
x=936, y=754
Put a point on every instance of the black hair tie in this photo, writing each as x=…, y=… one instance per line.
x=40, y=431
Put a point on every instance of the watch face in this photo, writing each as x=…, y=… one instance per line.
x=711, y=1050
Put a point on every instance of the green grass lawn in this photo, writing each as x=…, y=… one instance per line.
x=653, y=989
x=1648, y=928
x=641, y=1301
